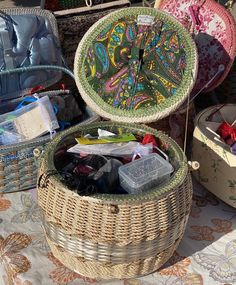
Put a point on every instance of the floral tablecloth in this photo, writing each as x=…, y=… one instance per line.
x=206, y=255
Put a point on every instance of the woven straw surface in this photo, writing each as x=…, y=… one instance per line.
x=55, y=5
x=18, y=168
x=111, y=271
x=158, y=107
x=114, y=236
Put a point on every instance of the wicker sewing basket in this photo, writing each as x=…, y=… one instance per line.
x=18, y=163
x=113, y=236
x=106, y=236
x=72, y=27
x=18, y=166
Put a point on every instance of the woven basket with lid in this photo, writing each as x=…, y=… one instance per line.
x=107, y=236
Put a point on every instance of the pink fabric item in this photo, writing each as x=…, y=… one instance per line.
x=215, y=36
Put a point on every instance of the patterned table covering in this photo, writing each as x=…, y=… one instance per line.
x=206, y=255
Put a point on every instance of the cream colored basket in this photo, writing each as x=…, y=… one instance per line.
x=106, y=236
x=217, y=170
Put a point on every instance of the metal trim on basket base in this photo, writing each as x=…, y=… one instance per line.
x=109, y=252
x=107, y=271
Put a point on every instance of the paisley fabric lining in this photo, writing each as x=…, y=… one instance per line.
x=134, y=66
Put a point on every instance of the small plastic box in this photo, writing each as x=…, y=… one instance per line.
x=145, y=173
x=28, y=122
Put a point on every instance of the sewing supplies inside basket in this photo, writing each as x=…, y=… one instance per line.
x=28, y=122
x=34, y=116
x=113, y=163
x=221, y=124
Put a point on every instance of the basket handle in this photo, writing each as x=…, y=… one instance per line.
x=89, y=3
x=43, y=178
x=38, y=67
x=86, y=8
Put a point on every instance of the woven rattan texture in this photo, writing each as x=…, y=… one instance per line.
x=98, y=270
x=71, y=30
x=132, y=224
x=18, y=166
x=55, y=5
x=114, y=236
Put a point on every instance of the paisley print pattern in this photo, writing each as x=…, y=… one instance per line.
x=100, y=52
x=71, y=30
x=131, y=33
x=114, y=41
x=133, y=66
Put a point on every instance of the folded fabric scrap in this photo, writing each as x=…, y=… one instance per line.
x=92, y=174
x=127, y=149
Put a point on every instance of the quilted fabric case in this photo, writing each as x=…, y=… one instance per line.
x=26, y=41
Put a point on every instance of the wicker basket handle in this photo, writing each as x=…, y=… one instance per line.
x=43, y=178
x=88, y=8
x=38, y=67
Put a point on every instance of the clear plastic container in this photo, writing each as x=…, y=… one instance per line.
x=28, y=122
x=145, y=173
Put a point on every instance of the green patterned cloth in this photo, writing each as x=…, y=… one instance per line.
x=134, y=66
x=137, y=61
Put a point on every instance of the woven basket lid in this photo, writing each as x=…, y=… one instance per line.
x=215, y=36
x=135, y=65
